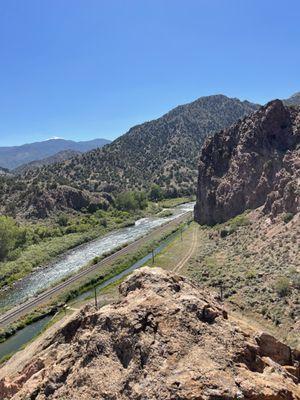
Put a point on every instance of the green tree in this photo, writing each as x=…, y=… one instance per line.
x=127, y=201
x=8, y=236
x=141, y=199
x=156, y=193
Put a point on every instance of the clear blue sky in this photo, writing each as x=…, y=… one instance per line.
x=81, y=69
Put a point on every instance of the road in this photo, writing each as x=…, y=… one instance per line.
x=28, y=306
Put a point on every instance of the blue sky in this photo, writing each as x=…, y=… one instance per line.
x=81, y=69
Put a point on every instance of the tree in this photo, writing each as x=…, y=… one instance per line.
x=126, y=201
x=156, y=193
x=141, y=199
x=8, y=236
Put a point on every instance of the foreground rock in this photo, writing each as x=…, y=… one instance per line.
x=165, y=339
x=254, y=163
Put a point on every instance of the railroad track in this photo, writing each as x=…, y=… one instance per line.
x=16, y=312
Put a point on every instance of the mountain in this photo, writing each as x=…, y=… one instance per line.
x=164, y=339
x=4, y=171
x=293, y=100
x=12, y=157
x=254, y=163
x=58, y=157
x=163, y=151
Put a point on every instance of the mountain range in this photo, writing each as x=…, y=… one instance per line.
x=14, y=156
x=56, y=158
x=164, y=151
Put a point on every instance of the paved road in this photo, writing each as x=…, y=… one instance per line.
x=28, y=306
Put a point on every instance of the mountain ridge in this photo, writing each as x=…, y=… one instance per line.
x=13, y=156
x=163, y=151
x=293, y=100
x=55, y=158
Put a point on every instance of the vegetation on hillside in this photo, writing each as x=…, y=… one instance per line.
x=27, y=245
x=162, y=152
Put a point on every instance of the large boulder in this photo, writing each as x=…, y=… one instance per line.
x=164, y=339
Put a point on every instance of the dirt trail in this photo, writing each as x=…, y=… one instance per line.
x=189, y=254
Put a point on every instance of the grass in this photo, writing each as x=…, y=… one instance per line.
x=175, y=250
x=170, y=203
x=48, y=240
x=259, y=275
x=89, y=283
x=25, y=321
x=116, y=268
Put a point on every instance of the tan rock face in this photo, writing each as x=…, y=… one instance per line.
x=254, y=163
x=165, y=339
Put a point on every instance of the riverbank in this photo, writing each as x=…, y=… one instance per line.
x=43, y=243
x=108, y=278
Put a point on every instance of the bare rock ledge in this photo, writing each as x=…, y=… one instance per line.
x=165, y=339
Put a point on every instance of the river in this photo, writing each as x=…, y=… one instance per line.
x=71, y=261
x=22, y=337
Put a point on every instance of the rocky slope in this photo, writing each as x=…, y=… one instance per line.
x=257, y=262
x=253, y=163
x=164, y=339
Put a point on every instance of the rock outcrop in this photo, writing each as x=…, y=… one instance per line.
x=164, y=339
x=253, y=163
x=62, y=198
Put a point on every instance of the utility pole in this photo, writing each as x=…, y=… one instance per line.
x=181, y=233
x=96, y=302
x=152, y=256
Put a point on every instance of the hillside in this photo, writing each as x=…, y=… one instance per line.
x=163, y=151
x=14, y=156
x=293, y=100
x=164, y=339
x=254, y=163
x=4, y=171
x=249, y=192
x=56, y=158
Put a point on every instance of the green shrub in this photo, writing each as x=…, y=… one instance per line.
x=156, y=193
x=282, y=286
x=8, y=236
x=287, y=217
x=62, y=220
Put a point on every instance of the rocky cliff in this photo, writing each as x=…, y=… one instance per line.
x=164, y=339
x=254, y=163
